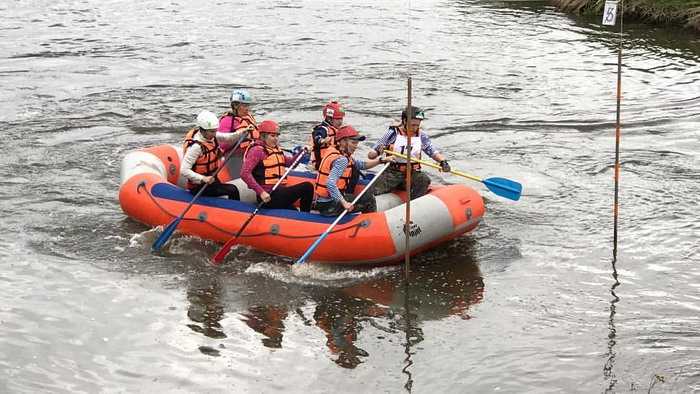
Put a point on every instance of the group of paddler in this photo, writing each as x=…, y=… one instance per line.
x=332, y=145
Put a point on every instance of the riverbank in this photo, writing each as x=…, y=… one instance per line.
x=685, y=13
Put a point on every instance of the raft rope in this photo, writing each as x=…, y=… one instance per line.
x=356, y=226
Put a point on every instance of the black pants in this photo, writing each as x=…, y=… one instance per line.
x=217, y=189
x=284, y=197
x=367, y=203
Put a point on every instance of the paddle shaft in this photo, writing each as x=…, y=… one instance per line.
x=500, y=186
x=313, y=247
x=216, y=174
x=221, y=254
x=429, y=164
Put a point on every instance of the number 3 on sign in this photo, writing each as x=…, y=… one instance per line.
x=610, y=13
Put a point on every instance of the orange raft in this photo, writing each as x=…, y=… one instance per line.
x=152, y=192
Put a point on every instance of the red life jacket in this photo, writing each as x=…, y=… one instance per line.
x=269, y=170
x=208, y=161
x=243, y=123
x=324, y=172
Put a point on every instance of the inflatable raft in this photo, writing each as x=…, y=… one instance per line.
x=152, y=192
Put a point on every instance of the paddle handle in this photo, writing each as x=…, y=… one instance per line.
x=223, y=252
x=313, y=247
x=429, y=164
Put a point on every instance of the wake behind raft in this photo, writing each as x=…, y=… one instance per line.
x=152, y=192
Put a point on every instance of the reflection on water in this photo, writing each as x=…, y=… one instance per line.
x=388, y=303
x=206, y=309
x=608, y=373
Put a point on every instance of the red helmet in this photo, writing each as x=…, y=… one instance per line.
x=333, y=110
x=348, y=131
x=269, y=127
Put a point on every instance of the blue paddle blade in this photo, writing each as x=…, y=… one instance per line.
x=504, y=187
x=165, y=235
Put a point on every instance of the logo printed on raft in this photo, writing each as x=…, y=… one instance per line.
x=414, y=230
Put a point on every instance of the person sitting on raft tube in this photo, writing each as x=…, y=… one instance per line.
x=202, y=157
x=323, y=134
x=395, y=138
x=264, y=164
x=338, y=175
x=239, y=118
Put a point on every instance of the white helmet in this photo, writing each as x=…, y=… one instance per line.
x=207, y=120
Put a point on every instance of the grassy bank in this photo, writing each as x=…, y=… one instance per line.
x=679, y=12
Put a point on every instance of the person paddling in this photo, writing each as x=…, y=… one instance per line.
x=202, y=157
x=264, y=163
x=396, y=140
x=323, y=134
x=239, y=118
x=338, y=175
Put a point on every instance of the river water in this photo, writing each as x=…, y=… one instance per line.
x=527, y=303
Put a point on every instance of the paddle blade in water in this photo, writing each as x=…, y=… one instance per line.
x=223, y=252
x=165, y=235
x=504, y=187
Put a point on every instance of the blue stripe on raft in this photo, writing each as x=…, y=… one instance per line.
x=174, y=193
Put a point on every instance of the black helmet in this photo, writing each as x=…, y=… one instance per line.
x=417, y=114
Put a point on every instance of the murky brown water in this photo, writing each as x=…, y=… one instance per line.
x=514, y=89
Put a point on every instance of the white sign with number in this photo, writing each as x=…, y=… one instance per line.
x=610, y=13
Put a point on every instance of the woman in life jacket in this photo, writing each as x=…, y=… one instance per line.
x=338, y=174
x=323, y=134
x=239, y=118
x=202, y=157
x=395, y=138
x=264, y=163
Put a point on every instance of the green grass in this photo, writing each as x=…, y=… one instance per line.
x=682, y=12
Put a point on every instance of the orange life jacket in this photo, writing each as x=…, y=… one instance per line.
x=324, y=172
x=399, y=146
x=244, y=122
x=208, y=161
x=320, y=152
x=269, y=170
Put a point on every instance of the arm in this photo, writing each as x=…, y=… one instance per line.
x=387, y=139
x=254, y=156
x=336, y=171
x=188, y=161
x=371, y=163
x=430, y=150
x=319, y=135
x=229, y=138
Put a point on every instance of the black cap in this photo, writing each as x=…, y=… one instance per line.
x=417, y=113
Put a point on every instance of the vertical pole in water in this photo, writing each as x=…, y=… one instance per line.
x=609, y=15
x=617, y=135
x=407, y=223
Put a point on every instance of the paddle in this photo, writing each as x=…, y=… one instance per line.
x=313, y=247
x=170, y=228
x=221, y=254
x=500, y=186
